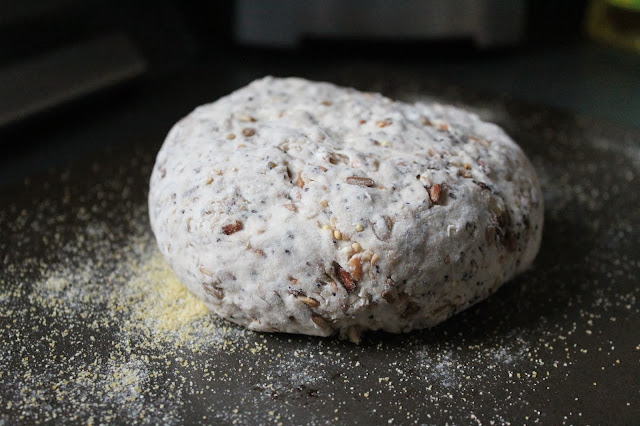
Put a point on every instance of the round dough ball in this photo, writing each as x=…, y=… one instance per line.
x=304, y=207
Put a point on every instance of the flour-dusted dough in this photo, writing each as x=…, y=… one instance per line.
x=304, y=207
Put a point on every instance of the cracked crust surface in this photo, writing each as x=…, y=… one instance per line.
x=304, y=207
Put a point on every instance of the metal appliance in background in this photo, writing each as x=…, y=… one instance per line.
x=285, y=23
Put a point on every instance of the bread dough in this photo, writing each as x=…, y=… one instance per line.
x=304, y=207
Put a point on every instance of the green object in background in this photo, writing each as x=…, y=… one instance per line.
x=625, y=4
x=615, y=22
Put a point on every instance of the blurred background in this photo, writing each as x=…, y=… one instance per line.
x=79, y=76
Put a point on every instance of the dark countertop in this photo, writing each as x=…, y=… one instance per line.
x=558, y=344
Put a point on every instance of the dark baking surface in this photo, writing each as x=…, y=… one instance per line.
x=558, y=344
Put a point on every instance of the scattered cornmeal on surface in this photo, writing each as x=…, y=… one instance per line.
x=126, y=295
x=163, y=299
